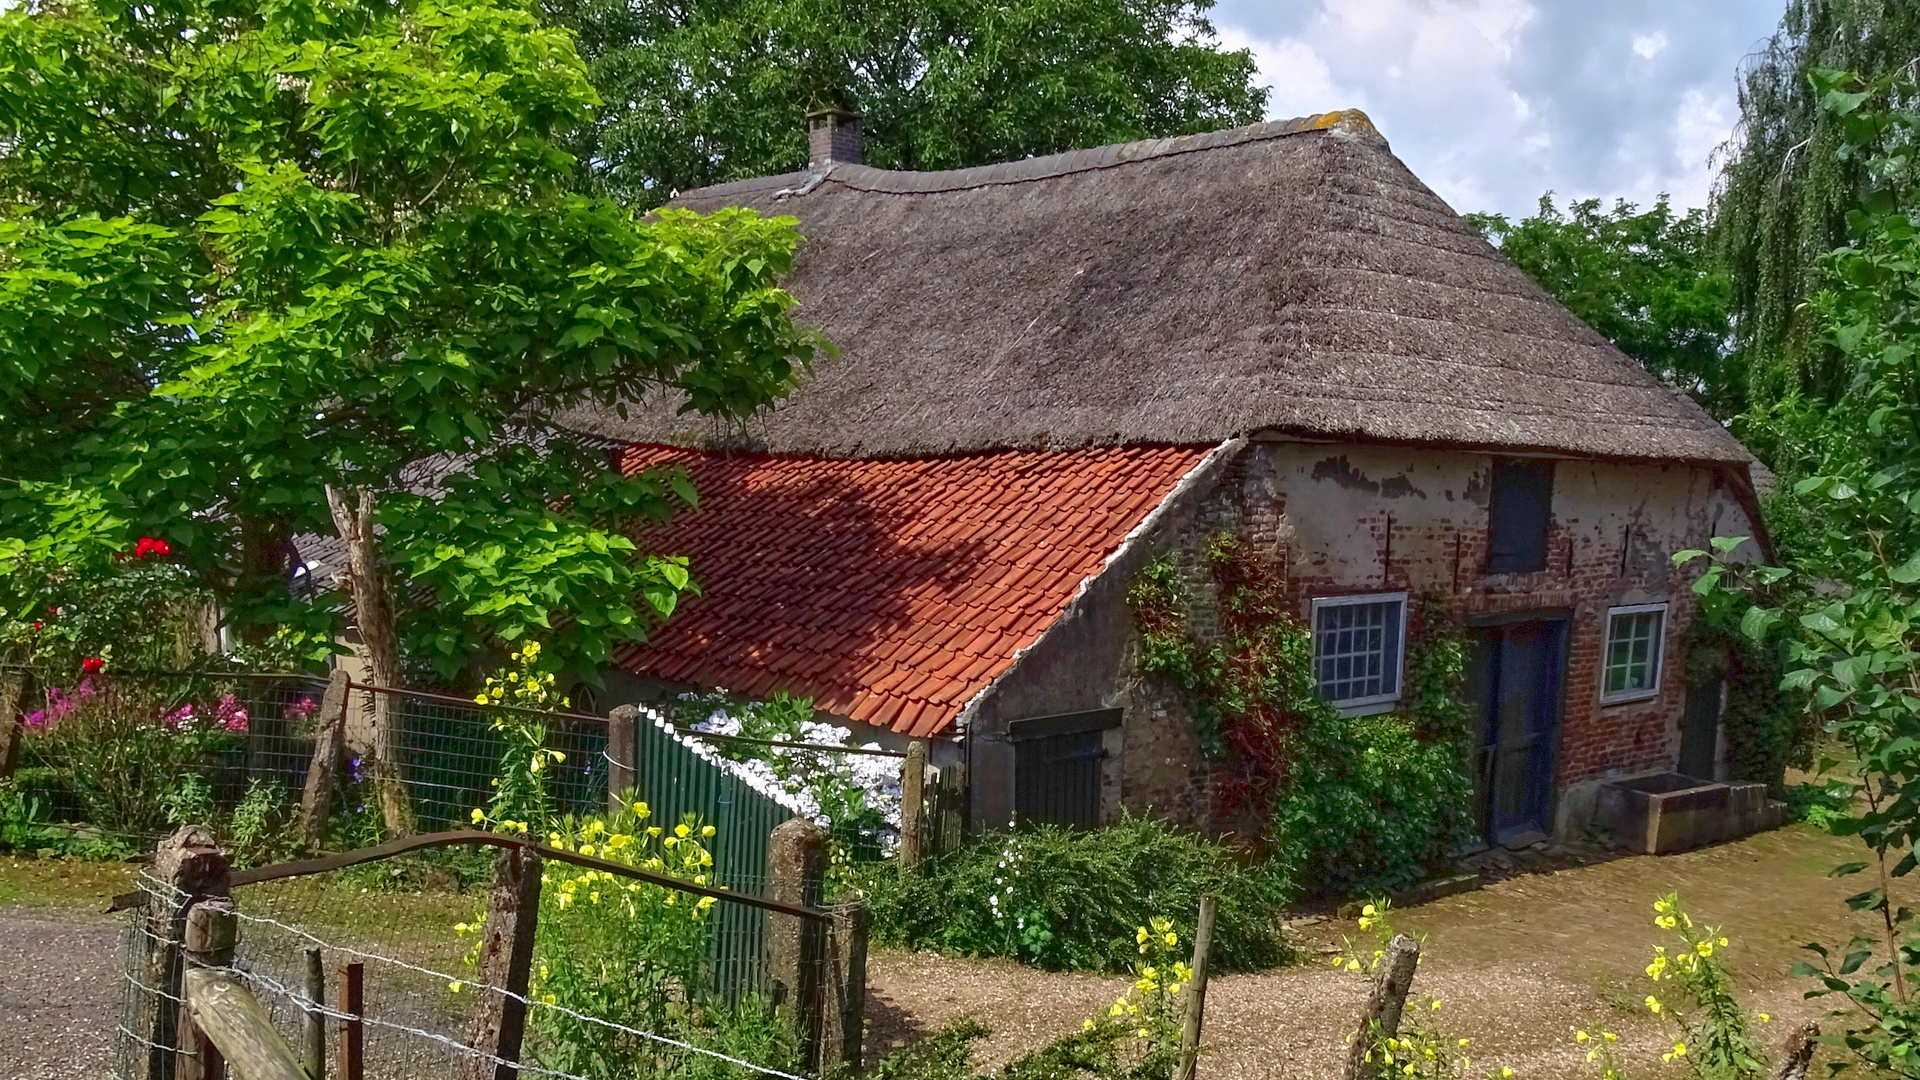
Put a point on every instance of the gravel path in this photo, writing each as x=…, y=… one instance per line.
x=59, y=993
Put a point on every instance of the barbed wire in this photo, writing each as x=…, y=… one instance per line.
x=174, y=892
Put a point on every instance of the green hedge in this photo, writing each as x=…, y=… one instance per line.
x=1073, y=900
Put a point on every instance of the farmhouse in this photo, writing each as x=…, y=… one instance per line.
x=1053, y=372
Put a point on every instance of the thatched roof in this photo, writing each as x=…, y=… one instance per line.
x=1289, y=276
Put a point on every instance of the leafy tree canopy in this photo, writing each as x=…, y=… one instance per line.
x=704, y=91
x=1647, y=280
x=1788, y=178
x=337, y=241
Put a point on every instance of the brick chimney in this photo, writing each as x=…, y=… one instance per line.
x=833, y=138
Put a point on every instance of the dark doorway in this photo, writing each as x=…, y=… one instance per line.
x=1056, y=767
x=1517, y=679
x=1700, y=730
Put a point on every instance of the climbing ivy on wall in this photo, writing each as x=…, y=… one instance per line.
x=1350, y=803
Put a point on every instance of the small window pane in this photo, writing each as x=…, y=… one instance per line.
x=1357, y=650
x=1633, y=653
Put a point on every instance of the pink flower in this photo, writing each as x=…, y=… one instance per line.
x=230, y=715
x=300, y=711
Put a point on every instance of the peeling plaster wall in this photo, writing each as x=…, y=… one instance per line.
x=1348, y=519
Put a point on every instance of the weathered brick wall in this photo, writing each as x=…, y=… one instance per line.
x=1355, y=519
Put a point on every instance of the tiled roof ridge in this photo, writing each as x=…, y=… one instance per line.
x=1351, y=123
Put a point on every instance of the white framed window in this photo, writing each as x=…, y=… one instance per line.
x=1635, y=639
x=1358, y=648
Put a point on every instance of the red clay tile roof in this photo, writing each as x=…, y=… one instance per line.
x=891, y=591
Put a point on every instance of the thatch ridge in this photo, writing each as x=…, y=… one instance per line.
x=1289, y=276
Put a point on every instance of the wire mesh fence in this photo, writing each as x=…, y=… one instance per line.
x=417, y=1005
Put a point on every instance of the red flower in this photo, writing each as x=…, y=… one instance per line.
x=92, y=665
x=36, y=625
x=148, y=545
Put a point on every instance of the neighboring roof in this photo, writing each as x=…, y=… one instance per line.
x=1291, y=275
x=889, y=591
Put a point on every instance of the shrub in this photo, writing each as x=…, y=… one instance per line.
x=1369, y=805
x=1067, y=900
x=121, y=749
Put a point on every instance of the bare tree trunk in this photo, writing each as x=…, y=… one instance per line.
x=1380, y=1019
x=373, y=615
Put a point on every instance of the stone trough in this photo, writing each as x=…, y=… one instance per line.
x=1667, y=812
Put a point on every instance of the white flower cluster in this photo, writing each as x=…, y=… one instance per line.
x=1009, y=867
x=765, y=783
x=812, y=777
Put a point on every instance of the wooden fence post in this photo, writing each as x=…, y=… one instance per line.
x=842, y=1040
x=323, y=769
x=913, y=804
x=796, y=868
x=13, y=691
x=211, y=933
x=235, y=1021
x=506, y=961
x=353, y=1034
x=1381, y=1016
x=314, y=1045
x=187, y=867
x=1797, y=1057
x=1196, y=990
x=620, y=746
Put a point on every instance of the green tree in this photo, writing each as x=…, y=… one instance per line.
x=1846, y=612
x=704, y=91
x=1789, y=176
x=1647, y=280
x=337, y=240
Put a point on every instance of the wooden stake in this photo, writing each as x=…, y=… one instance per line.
x=506, y=961
x=1196, y=990
x=323, y=768
x=211, y=932
x=353, y=1065
x=1798, y=1056
x=620, y=744
x=234, y=1019
x=913, y=804
x=315, y=1043
x=1380, y=1018
x=186, y=866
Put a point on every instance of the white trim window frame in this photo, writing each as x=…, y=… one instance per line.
x=1353, y=628
x=1654, y=660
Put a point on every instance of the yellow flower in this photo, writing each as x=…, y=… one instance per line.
x=1705, y=948
x=1142, y=1033
x=1580, y=1036
x=1466, y=1043
x=548, y=998
x=641, y=810
x=671, y=840
x=1653, y=1003
x=1353, y=965
x=479, y=816
x=1723, y=943
x=1409, y=1069
x=1765, y=1019
x=1609, y=1036
x=1365, y=923
x=587, y=849
x=1088, y=1026
x=708, y=830
x=653, y=830
x=480, y=699
x=1369, y=911
x=454, y=987
x=1665, y=922
x=1505, y=1071
x=682, y=831
x=1660, y=905
x=1435, y=1005
x=1339, y=961
x=1140, y=936
x=558, y=757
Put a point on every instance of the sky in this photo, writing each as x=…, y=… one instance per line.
x=1492, y=102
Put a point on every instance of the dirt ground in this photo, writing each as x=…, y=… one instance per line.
x=1516, y=965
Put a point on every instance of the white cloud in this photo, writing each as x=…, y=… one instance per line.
x=1492, y=102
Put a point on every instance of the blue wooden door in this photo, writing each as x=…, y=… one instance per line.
x=1522, y=665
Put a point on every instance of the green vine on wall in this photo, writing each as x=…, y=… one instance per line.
x=1349, y=801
